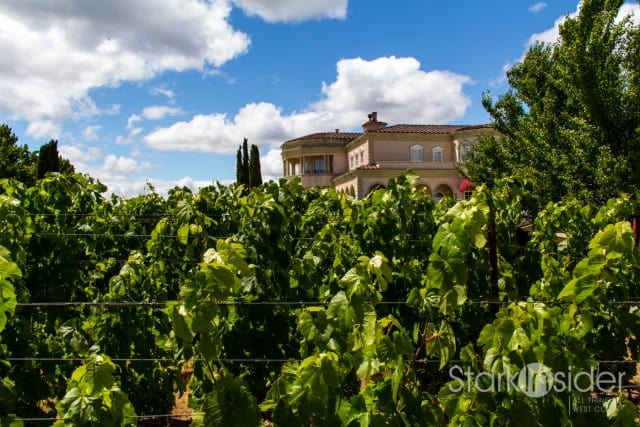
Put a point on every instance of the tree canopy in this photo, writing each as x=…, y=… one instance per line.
x=248, y=165
x=16, y=161
x=255, y=175
x=570, y=123
x=19, y=163
x=48, y=158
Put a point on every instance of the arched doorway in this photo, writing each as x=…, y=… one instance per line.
x=442, y=191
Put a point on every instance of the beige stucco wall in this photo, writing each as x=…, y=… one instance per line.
x=362, y=181
x=297, y=152
x=397, y=147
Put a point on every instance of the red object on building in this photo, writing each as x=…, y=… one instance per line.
x=465, y=185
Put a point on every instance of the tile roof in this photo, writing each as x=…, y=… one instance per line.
x=402, y=128
x=342, y=136
x=368, y=167
x=430, y=129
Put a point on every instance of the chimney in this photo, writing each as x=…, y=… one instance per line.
x=373, y=124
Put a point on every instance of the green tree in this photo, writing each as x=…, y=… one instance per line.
x=570, y=123
x=240, y=178
x=245, y=162
x=242, y=164
x=255, y=175
x=16, y=161
x=48, y=158
x=248, y=166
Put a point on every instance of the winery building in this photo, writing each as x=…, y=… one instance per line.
x=358, y=163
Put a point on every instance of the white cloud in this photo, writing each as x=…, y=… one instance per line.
x=632, y=10
x=91, y=132
x=157, y=112
x=271, y=165
x=537, y=7
x=132, y=120
x=54, y=53
x=78, y=155
x=395, y=87
x=294, y=10
x=120, y=165
x=43, y=129
x=132, y=187
x=162, y=90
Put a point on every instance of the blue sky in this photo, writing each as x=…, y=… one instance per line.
x=164, y=91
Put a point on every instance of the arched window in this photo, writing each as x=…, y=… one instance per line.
x=438, y=196
x=438, y=154
x=416, y=153
x=464, y=151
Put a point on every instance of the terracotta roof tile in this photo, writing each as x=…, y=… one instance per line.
x=430, y=129
x=341, y=136
x=368, y=167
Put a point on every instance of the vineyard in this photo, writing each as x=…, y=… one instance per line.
x=294, y=307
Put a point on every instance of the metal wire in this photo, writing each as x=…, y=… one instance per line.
x=283, y=303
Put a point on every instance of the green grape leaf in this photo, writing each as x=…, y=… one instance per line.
x=230, y=404
x=441, y=342
x=183, y=234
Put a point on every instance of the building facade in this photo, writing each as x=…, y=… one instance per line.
x=358, y=163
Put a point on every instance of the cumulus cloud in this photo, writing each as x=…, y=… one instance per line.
x=78, y=155
x=91, y=132
x=133, y=187
x=537, y=7
x=157, y=112
x=294, y=10
x=53, y=53
x=121, y=174
x=271, y=165
x=43, y=129
x=395, y=87
x=398, y=88
x=119, y=165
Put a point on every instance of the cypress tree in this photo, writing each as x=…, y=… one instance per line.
x=48, y=158
x=240, y=179
x=255, y=175
x=245, y=163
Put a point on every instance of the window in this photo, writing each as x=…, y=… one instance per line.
x=438, y=154
x=438, y=196
x=467, y=195
x=416, y=153
x=318, y=166
x=361, y=156
x=464, y=151
x=351, y=160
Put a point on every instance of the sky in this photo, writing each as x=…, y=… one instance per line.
x=164, y=91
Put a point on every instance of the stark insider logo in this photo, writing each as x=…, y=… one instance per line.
x=534, y=380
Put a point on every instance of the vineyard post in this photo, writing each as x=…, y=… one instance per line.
x=493, y=260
